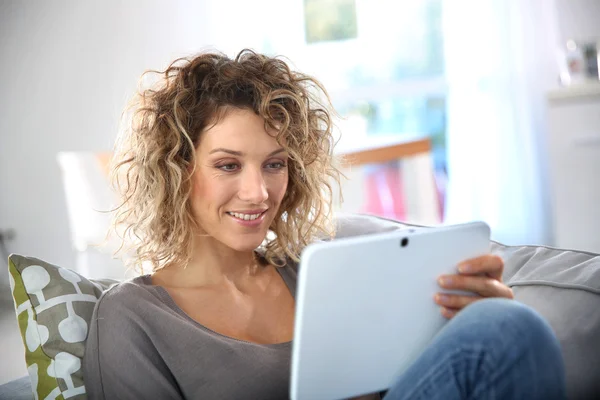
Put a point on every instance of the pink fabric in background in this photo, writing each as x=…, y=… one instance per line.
x=385, y=191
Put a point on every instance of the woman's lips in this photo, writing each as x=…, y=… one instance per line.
x=249, y=222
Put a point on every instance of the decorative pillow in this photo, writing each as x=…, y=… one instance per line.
x=54, y=306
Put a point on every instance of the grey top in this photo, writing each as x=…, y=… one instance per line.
x=141, y=345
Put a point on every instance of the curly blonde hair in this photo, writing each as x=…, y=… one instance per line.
x=154, y=156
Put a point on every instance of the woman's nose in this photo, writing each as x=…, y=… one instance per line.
x=253, y=188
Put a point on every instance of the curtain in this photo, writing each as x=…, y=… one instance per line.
x=500, y=60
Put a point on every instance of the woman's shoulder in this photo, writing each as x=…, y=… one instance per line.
x=130, y=296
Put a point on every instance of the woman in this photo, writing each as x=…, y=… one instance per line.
x=218, y=155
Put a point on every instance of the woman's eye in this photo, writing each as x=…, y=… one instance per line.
x=276, y=165
x=228, y=167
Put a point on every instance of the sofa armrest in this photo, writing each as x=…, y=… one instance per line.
x=19, y=389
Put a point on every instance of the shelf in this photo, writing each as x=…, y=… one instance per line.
x=379, y=149
x=576, y=91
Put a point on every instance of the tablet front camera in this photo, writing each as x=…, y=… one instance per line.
x=404, y=242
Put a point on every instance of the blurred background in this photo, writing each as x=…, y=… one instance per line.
x=452, y=110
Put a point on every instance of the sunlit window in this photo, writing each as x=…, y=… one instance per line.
x=381, y=60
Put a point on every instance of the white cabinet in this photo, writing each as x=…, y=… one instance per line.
x=574, y=158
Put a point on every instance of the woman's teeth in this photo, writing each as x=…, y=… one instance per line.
x=247, y=217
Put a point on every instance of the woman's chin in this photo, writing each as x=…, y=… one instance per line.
x=246, y=244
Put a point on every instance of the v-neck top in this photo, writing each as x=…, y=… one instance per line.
x=142, y=345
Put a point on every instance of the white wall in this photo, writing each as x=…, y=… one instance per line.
x=578, y=19
x=68, y=68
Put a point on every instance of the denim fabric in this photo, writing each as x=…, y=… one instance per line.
x=493, y=349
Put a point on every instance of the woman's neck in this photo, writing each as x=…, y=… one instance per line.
x=213, y=264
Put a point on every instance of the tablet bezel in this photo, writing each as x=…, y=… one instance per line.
x=334, y=355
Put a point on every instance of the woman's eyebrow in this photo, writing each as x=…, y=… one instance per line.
x=280, y=150
x=221, y=149
x=240, y=153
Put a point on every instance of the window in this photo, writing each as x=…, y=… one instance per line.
x=380, y=60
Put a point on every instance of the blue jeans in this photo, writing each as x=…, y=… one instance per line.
x=493, y=349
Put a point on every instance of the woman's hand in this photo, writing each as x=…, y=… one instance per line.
x=482, y=276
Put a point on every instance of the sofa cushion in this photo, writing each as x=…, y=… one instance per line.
x=564, y=287
x=19, y=389
x=54, y=306
x=561, y=285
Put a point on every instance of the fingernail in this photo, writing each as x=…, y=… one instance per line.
x=442, y=298
x=465, y=268
x=448, y=313
x=444, y=280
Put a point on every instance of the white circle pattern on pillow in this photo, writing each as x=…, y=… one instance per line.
x=72, y=329
x=32, y=370
x=11, y=282
x=63, y=365
x=71, y=277
x=35, y=278
x=35, y=334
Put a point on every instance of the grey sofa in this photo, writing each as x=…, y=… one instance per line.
x=562, y=285
x=19, y=389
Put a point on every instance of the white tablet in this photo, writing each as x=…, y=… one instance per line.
x=365, y=309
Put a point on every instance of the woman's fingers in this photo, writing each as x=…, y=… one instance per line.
x=449, y=312
x=481, y=276
x=482, y=285
x=489, y=264
x=455, y=301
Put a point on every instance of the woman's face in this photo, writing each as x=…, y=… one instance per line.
x=240, y=180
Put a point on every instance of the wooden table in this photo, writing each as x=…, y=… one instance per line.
x=417, y=188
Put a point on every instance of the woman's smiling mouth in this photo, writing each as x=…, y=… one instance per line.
x=247, y=216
